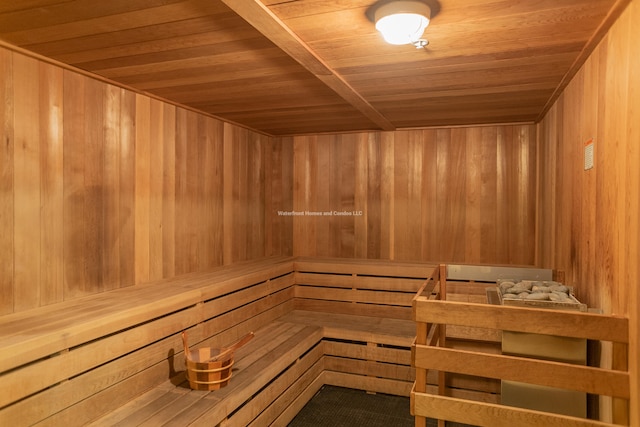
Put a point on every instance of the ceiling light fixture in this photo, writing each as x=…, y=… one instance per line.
x=403, y=22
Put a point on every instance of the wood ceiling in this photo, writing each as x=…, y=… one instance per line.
x=310, y=66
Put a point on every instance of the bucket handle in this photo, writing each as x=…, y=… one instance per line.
x=187, y=353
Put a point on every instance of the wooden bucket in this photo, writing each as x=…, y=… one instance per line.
x=204, y=375
x=209, y=368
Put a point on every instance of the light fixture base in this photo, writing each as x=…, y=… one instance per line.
x=421, y=43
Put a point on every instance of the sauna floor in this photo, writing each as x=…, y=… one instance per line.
x=345, y=407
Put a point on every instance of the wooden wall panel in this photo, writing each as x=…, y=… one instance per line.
x=7, y=250
x=460, y=195
x=52, y=195
x=125, y=224
x=244, y=189
x=589, y=220
x=104, y=188
x=278, y=195
x=26, y=184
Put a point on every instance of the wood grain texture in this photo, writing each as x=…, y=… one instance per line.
x=7, y=250
x=27, y=184
x=589, y=220
x=581, y=378
x=104, y=188
x=278, y=195
x=490, y=415
x=265, y=21
x=320, y=66
x=458, y=194
x=51, y=198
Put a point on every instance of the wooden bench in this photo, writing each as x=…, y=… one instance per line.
x=118, y=355
x=281, y=369
x=68, y=363
x=365, y=308
x=282, y=359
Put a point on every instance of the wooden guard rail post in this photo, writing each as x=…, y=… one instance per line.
x=428, y=354
x=428, y=334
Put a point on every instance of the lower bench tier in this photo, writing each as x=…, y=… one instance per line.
x=279, y=371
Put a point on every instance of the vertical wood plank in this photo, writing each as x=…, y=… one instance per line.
x=278, y=196
x=27, y=184
x=127, y=180
x=142, y=188
x=254, y=202
x=616, y=130
x=285, y=188
x=301, y=177
x=429, y=202
x=73, y=226
x=586, y=237
x=451, y=194
x=271, y=220
x=408, y=194
x=333, y=192
x=473, y=193
x=502, y=205
x=387, y=188
x=402, y=195
x=526, y=137
x=228, y=194
x=488, y=220
x=211, y=172
x=443, y=143
x=374, y=202
x=633, y=214
x=361, y=176
x=169, y=192
x=111, y=253
x=7, y=234
x=187, y=210
x=156, y=187
x=239, y=172
x=319, y=185
x=51, y=163
x=346, y=192
x=94, y=185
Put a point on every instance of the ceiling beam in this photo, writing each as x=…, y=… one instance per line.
x=262, y=19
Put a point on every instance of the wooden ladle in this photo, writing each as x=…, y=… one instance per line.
x=233, y=347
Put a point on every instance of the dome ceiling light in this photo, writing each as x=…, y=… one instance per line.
x=403, y=22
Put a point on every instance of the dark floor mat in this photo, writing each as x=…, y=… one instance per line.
x=345, y=407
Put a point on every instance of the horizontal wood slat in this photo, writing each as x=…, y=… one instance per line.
x=354, y=295
x=363, y=267
x=521, y=319
x=561, y=375
x=394, y=284
x=491, y=415
x=342, y=307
